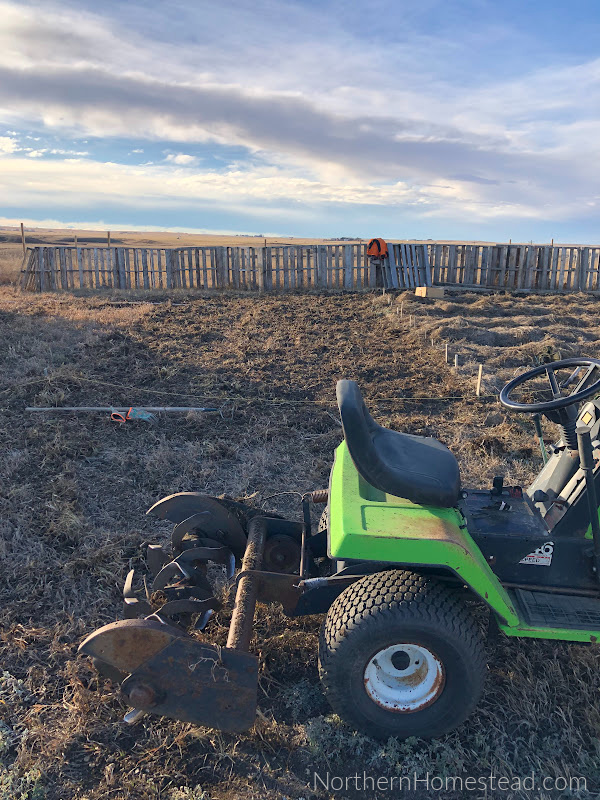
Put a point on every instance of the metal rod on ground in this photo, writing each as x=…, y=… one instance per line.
x=479, y=377
x=586, y=462
x=121, y=409
x=23, y=240
x=456, y=361
x=446, y=352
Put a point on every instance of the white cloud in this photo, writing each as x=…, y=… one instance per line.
x=8, y=145
x=357, y=125
x=267, y=190
x=182, y=159
x=36, y=153
x=57, y=151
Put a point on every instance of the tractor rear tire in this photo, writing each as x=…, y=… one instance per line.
x=401, y=655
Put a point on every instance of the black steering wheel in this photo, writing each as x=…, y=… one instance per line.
x=559, y=401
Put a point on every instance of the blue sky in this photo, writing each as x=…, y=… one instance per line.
x=473, y=119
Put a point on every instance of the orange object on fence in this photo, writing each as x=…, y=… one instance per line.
x=377, y=248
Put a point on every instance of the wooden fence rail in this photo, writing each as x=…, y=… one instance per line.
x=270, y=268
x=336, y=266
x=517, y=266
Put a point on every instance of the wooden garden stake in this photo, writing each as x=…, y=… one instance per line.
x=479, y=377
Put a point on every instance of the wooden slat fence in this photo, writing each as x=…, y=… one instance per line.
x=278, y=267
x=531, y=267
x=327, y=266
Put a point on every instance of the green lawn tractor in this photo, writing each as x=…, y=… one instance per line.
x=399, y=563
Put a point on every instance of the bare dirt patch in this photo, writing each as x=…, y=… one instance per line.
x=72, y=519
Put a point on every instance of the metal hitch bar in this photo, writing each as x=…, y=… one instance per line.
x=240, y=628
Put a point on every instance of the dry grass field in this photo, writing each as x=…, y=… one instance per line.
x=72, y=520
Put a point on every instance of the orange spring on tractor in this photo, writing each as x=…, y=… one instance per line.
x=319, y=496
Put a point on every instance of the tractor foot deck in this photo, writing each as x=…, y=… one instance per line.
x=549, y=610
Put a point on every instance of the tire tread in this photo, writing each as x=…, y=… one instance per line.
x=377, y=600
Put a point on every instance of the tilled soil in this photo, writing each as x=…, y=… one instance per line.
x=75, y=488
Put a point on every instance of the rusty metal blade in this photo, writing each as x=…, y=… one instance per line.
x=126, y=644
x=199, y=683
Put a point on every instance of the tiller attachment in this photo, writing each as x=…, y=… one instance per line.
x=162, y=667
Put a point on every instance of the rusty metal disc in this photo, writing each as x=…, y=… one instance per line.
x=281, y=554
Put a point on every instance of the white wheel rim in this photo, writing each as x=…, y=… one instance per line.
x=404, y=677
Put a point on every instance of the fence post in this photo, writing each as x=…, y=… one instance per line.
x=348, y=272
x=120, y=251
x=145, y=276
x=321, y=266
x=269, y=269
x=169, y=268
x=584, y=260
x=235, y=267
x=42, y=267
x=52, y=268
x=222, y=271
x=25, y=270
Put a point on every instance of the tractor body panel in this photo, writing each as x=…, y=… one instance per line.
x=366, y=524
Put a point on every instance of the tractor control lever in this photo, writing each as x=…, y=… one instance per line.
x=537, y=421
x=586, y=462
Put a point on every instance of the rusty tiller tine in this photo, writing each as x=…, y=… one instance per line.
x=156, y=558
x=128, y=585
x=171, y=572
x=220, y=555
x=132, y=606
x=188, y=592
x=189, y=525
x=227, y=557
x=216, y=518
x=189, y=606
x=198, y=540
x=202, y=620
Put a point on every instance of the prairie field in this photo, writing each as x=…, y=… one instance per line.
x=75, y=489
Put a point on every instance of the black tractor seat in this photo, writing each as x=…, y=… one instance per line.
x=417, y=468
